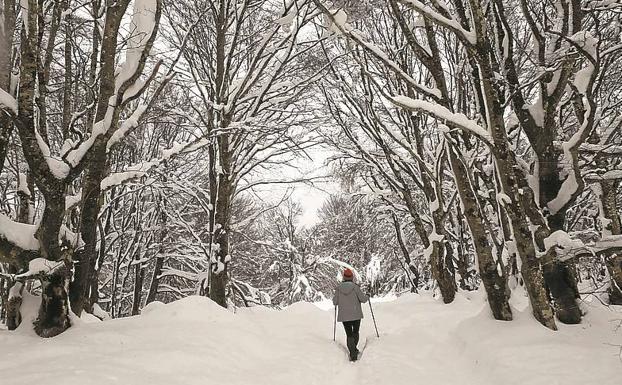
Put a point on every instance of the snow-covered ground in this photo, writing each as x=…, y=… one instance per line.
x=422, y=341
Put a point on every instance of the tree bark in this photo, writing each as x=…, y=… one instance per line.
x=220, y=264
x=7, y=16
x=492, y=274
x=507, y=167
x=139, y=279
x=155, y=280
x=495, y=284
x=54, y=310
x=613, y=260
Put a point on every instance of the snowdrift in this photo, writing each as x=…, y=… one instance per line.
x=422, y=341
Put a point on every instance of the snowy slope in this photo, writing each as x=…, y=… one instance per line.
x=422, y=341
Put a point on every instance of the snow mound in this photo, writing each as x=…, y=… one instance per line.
x=192, y=308
x=301, y=308
x=194, y=341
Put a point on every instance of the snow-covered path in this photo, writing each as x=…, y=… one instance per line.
x=422, y=341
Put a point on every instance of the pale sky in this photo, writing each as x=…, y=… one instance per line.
x=310, y=197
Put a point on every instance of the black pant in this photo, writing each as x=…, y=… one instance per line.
x=352, y=331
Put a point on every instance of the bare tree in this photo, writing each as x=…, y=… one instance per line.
x=54, y=170
x=245, y=86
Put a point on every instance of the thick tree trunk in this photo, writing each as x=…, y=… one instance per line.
x=86, y=257
x=80, y=286
x=441, y=272
x=558, y=275
x=221, y=188
x=505, y=161
x=491, y=272
x=96, y=171
x=53, y=317
x=614, y=266
x=530, y=268
x=219, y=266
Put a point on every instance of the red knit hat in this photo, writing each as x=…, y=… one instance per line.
x=347, y=274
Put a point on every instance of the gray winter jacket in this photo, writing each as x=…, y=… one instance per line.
x=348, y=297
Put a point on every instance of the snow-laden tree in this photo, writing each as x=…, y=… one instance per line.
x=245, y=88
x=90, y=102
x=515, y=77
x=361, y=232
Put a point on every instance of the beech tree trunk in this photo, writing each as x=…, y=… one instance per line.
x=495, y=284
x=7, y=19
x=220, y=263
x=505, y=161
x=491, y=272
x=558, y=275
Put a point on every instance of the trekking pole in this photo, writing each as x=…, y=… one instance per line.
x=335, y=325
x=373, y=318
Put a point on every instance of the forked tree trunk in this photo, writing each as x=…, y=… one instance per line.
x=492, y=274
x=507, y=167
x=96, y=171
x=495, y=284
x=53, y=317
x=505, y=161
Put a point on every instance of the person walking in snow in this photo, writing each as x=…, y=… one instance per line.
x=348, y=298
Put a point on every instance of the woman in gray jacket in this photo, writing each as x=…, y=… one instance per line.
x=348, y=298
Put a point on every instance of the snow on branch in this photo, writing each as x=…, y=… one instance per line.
x=440, y=112
x=141, y=169
x=57, y=167
x=143, y=26
x=171, y=272
x=571, y=185
x=128, y=84
x=41, y=266
x=8, y=102
x=568, y=247
x=21, y=235
x=340, y=26
x=563, y=243
x=446, y=22
x=127, y=125
x=607, y=175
